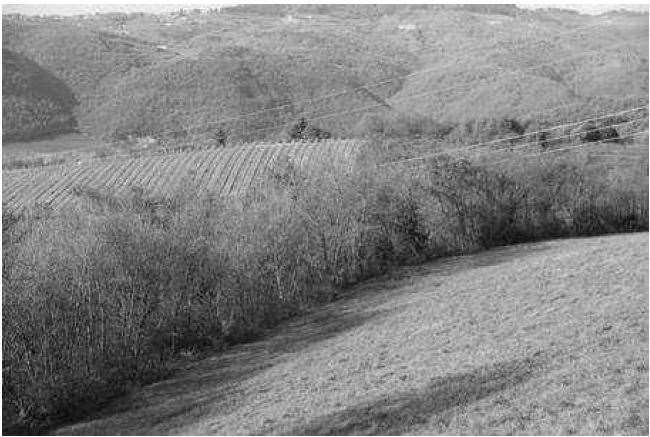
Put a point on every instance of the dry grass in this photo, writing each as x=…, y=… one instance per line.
x=542, y=338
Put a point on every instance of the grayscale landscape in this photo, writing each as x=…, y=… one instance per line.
x=325, y=219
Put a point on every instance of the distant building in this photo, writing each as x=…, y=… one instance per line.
x=407, y=27
x=298, y=19
x=145, y=142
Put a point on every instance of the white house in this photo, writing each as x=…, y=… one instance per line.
x=407, y=27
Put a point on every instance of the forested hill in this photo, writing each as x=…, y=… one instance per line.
x=344, y=68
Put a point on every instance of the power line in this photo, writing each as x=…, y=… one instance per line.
x=479, y=144
x=560, y=126
x=384, y=82
x=564, y=148
x=519, y=146
x=547, y=152
x=469, y=147
x=327, y=96
x=437, y=91
x=379, y=105
x=569, y=135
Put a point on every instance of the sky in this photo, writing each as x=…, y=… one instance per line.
x=72, y=9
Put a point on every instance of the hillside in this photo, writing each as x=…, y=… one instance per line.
x=528, y=66
x=189, y=74
x=34, y=102
x=543, y=338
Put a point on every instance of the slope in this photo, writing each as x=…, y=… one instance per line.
x=148, y=76
x=191, y=73
x=34, y=101
x=81, y=56
x=268, y=69
x=80, y=53
x=542, y=338
x=494, y=66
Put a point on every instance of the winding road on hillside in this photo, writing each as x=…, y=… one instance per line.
x=540, y=338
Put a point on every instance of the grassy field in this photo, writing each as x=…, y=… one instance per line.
x=58, y=144
x=52, y=150
x=541, y=338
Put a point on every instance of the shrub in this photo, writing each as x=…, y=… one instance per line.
x=473, y=131
x=402, y=125
x=593, y=133
x=221, y=137
x=302, y=130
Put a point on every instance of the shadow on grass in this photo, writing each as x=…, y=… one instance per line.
x=451, y=265
x=398, y=413
x=214, y=383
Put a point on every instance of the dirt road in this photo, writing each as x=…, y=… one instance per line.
x=540, y=338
